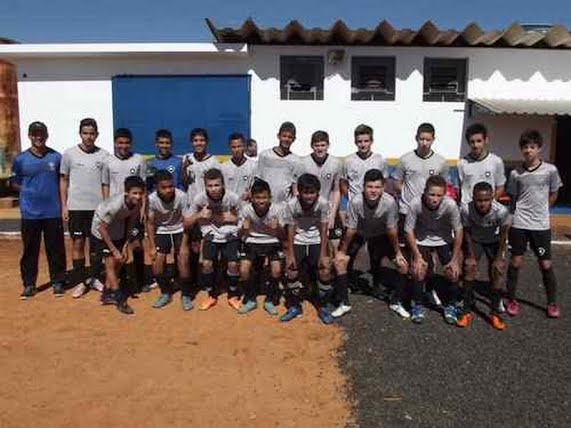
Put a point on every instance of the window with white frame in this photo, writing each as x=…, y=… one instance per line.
x=372, y=78
x=445, y=79
x=301, y=77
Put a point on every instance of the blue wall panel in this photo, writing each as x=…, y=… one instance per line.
x=221, y=104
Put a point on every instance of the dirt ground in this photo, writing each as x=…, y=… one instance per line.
x=73, y=363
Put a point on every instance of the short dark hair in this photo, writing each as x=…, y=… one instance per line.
x=364, y=129
x=250, y=142
x=530, y=136
x=260, y=186
x=38, y=127
x=318, y=136
x=482, y=186
x=163, y=133
x=308, y=182
x=198, y=131
x=374, y=175
x=162, y=175
x=287, y=127
x=88, y=122
x=123, y=132
x=425, y=127
x=134, y=181
x=435, y=181
x=213, y=174
x=476, y=128
x=236, y=136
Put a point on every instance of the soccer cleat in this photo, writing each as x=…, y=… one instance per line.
x=292, y=312
x=234, y=302
x=465, y=319
x=208, y=303
x=512, y=307
x=124, y=308
x=400, y=310
x=58, y=289
x=108, y=297
x=450, y=314
x=341, y=310
x=325, y=316
x=163, y=300
x=79, y=290
x=28, y=292
x=417, y=314
x=186, y=302
x=97, y=285
x=270, y=308
x=497, y=322
x=248, y=306
x=553, y=311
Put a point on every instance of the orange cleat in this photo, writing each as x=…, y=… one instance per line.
x=234, y=302
x=497, y=322
x=208, y=303
x=465, y=320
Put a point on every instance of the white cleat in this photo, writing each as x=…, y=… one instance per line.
x=341, y=310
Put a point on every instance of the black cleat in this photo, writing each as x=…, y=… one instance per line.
x=58, y=289
x=29, y=292
x=123, y=307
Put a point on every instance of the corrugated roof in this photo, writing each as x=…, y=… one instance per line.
x=5, y=41
x=524, y=106
x=384, y=34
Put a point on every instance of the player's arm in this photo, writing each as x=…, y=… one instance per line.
x=499, y=191
x=454, y=264
x=419, y=265
x=184, y=175
x=392, y=234
x=335, y=198
x=553, y=197
x=350, y=234
x=323, y=238
x=105, y=237
x=151, y=230
x=63, y=186
x=16, y=179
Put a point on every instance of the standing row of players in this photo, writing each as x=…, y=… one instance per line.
x=294, y=202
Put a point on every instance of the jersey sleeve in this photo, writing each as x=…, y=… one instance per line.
x=554, y=181
x=324, y=209
x=512, y=184
x=65, y=165
x=465, y=215
x=410, y=220
x=393, y=215
x=455, y=221
x=105, y=172
x=499, y=173
x=505, y=216
x=352, y=216
x=17, y=173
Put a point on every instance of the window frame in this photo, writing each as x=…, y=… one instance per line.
x=287, y=62
x=361, y=94
x=459, y=95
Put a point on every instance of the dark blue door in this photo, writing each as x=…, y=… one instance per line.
x=221, y=104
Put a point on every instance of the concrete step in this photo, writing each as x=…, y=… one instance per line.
x=8, y=202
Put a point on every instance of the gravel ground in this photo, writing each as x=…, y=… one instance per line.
x=402, y=374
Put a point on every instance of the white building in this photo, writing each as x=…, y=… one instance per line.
x=251, y=80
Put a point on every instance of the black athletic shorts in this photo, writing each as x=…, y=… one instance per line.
x=253, y=252
x=307, y=256
x=195, y=233
x=443, y=252
x=490, y=250
x=79, y=224
x=166, y=242
x=539, y=241
x=229, y=251
x=100, y=247
x=380, y=247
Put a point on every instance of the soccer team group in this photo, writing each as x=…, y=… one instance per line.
x=266, y=225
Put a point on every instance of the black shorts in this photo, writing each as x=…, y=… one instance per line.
x=166, y=242
x=443, y=252
x=307, y=256
x=98, y=246
x=229, y=251
x=79, y=224
x=137, y=232
x=401, y=232
x=490, y=250
x=380, y=247
x=539, y=241
x=253, y=252
x=195, y=233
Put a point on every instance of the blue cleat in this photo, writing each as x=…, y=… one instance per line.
x=270, y=308
x=417, y=314
x=162, y=301
x=450, y=314
x=325, y=316
x=186, y=303
x=248, y=306
x=292, y=312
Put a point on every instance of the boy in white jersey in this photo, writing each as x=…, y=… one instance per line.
x=486, y=224
x=307, y=219
x=216, y=211
x=433, y=227
x=81, y=191
x=534, y=187
x=238, y=170
x=278, y=165
x=262, y=231
x=112, y=224
x=122, y=164
x=166, y=210
x=325, y=167
x=414, y=168
x=354, y=169
x=479, y=164
x=374, y=216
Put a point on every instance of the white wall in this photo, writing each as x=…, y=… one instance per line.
x=62, y=91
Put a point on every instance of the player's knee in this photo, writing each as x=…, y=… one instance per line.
x=516, y=261
x=275, y=270
x=206, y=266
x=233, y=268
x=341, y=264
x=545, y=264
x=195, y=246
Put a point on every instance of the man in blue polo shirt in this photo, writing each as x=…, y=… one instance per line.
x=35, y=174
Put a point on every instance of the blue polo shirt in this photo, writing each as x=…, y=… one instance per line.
x=39, y=181
x=172, y=164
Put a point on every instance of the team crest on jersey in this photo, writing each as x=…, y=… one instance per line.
x=98, y=165
x=52, y=166
x=170, y=169
x=488, y=174
x=431, y=171
x=133, y=171
x=328, y=176
x=245, y=178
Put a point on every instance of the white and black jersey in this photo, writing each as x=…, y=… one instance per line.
x=195, y=170
x=279, y=171
x=115, y=213
x=356, y=167
x=260, y=232
x=329, y=173
x=489, y=169
x=485, y=229
x=372, y=220
x=117, y=169
x=168, y=216
x=433, y=227
x=238, y=178
x=215, y=229
x=307, y=223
